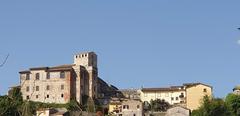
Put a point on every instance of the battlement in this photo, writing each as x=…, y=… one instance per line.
x=86, y=59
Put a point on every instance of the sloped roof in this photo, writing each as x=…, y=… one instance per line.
x=194, y=84
x=55, y=68
x=162, y=89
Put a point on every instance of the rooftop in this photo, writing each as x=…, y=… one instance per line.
x=54, y=68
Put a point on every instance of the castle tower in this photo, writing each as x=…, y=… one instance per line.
x=87, y=75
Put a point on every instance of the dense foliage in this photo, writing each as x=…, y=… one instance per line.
x=159, y=105
x=212, y=107
x=14, y=105
x=233, y=101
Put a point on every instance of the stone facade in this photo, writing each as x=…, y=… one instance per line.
x=178, y=111
x=61, y=83
x=132, y=108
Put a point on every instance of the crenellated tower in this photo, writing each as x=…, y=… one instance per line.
x=85, y=66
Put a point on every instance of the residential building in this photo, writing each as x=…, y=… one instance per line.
x=188, y=95
x=195, y=93
x=125, y=107
x=172, y=95
x=115, y=106
x=131, y=93
x=61, y=83
x=178, y=111
x=131, y=107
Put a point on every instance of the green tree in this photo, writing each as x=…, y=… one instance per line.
x=233, y=101
x=212, y=107
x=159, y=105
x=10, y=105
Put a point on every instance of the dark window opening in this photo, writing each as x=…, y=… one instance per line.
x=48, y=87
x=62, y=75
x=27, y=76
x=37, y=88
x=204, y=90
x=37, y=76
x=62, y=95
x=27, y=89
x=62, y=87
x=27, y=97
x=138, y=106
x=48, y=75
x=47, y=96
x=36, y=96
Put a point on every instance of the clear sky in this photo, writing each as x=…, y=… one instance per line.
x=150, y=43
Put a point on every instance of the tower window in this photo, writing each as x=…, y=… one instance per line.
x=48, y=75
x=37, y=76
x=62, y=74
x=48, y=87
x=47, y=96
x=62, y=95
x=27, y=97
x=37, y=88
x=27, y=76
x=27, y=89
x=62, y=87
x=36, y=96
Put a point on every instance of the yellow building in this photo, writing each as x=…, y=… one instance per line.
x=114, y=106
x=195, y=93
x=188, y=95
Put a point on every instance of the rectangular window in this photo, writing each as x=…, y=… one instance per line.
x=47, y=96
x=48, y=87
x=176, y=98
x=37, y=76
x=172, y=98
x=36, y=96
x=37, y=88
x=204, y=90
x=27, y=76
x=62, y=87
x=27, y=97
x=125, y=107
x=62, y=74
x=48, y=75
x=27, y=88
x=62, y=95
x=138, y=106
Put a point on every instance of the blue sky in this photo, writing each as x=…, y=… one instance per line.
x=150, y=43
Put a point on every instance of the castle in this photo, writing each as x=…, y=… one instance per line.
x=61, y=83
